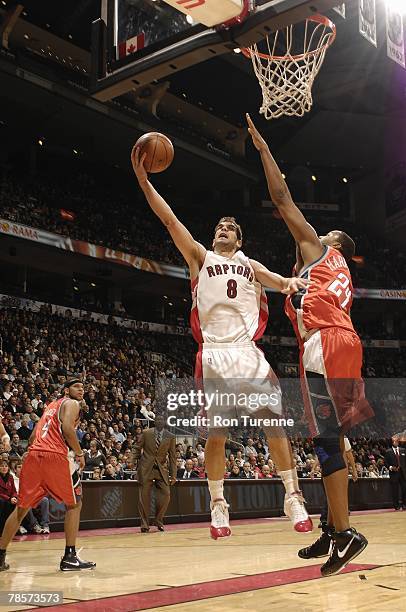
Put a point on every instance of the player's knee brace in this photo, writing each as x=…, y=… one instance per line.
x=328, y=451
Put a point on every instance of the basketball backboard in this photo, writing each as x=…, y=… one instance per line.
x=138, y=41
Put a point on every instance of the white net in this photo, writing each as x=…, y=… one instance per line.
x=287, y=80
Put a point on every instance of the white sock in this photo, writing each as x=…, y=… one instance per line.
x=216, y=488
x=290, y=481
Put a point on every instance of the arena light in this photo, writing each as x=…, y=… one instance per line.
x=314, y=178
x=283, y=175
x=67, y=215
x=93, y=284
x=345, y=180
x=397, y=5
x=237, y=50
x=40, y=142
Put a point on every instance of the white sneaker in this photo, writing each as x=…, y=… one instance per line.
x=295, y=509
x=37, y=528
x=45, y=530
x=220, y=521
x=22, y=530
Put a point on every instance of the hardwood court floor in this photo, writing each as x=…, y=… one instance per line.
x=183, y=570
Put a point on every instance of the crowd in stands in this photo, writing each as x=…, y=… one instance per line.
x=122, y=369
x=120, y=219
x=253, y=461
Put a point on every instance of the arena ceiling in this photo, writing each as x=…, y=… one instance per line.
x=358, y=92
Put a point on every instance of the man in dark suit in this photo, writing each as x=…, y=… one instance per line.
x=395, y=461
x=246, y=471
x=152, y=453
x=187, y=472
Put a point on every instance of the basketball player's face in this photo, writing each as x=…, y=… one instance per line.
x=330, y=239
x=76, y=391
x=225, y=236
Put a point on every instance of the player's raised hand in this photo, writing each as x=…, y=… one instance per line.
x=138, y=165
x=295, y=284
x=259, y=142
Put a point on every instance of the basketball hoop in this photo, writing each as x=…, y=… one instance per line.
x=287, y=80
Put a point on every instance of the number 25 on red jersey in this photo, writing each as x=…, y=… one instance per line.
x=340, y=288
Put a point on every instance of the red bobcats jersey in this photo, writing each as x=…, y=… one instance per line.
x=48, y=432
x=328, y=299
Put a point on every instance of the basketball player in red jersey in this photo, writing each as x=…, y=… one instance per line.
x=229, y=315
x=330, y=359
x=49, y=469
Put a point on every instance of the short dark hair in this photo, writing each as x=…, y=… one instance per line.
x=73, y=381
x=347, y=245
x=231, y=220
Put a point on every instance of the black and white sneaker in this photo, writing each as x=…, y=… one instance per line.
x=3, y=565
x=347, y=545
x=73, y=563
x=320, y=548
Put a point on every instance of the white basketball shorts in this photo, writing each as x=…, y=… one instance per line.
x=237, y=379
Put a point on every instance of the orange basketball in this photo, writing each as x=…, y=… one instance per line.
x=159, y=150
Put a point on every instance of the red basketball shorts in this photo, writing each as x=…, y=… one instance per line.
x=333, y=389
x=46, y=473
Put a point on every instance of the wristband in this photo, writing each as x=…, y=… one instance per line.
x=80, y=454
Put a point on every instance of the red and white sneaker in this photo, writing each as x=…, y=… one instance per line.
x=220, y=521
x=294, y=508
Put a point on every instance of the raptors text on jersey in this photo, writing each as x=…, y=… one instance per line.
x=229, y=305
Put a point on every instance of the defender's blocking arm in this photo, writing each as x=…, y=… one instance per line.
x=192, y=251
x=303, y=233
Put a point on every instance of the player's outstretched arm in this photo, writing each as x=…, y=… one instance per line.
x=276, y=281
x=303, y=233
x=192, y=251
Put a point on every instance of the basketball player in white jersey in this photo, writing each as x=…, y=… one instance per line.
x=229, y=314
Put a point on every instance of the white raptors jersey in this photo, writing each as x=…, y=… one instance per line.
x=229, y=305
